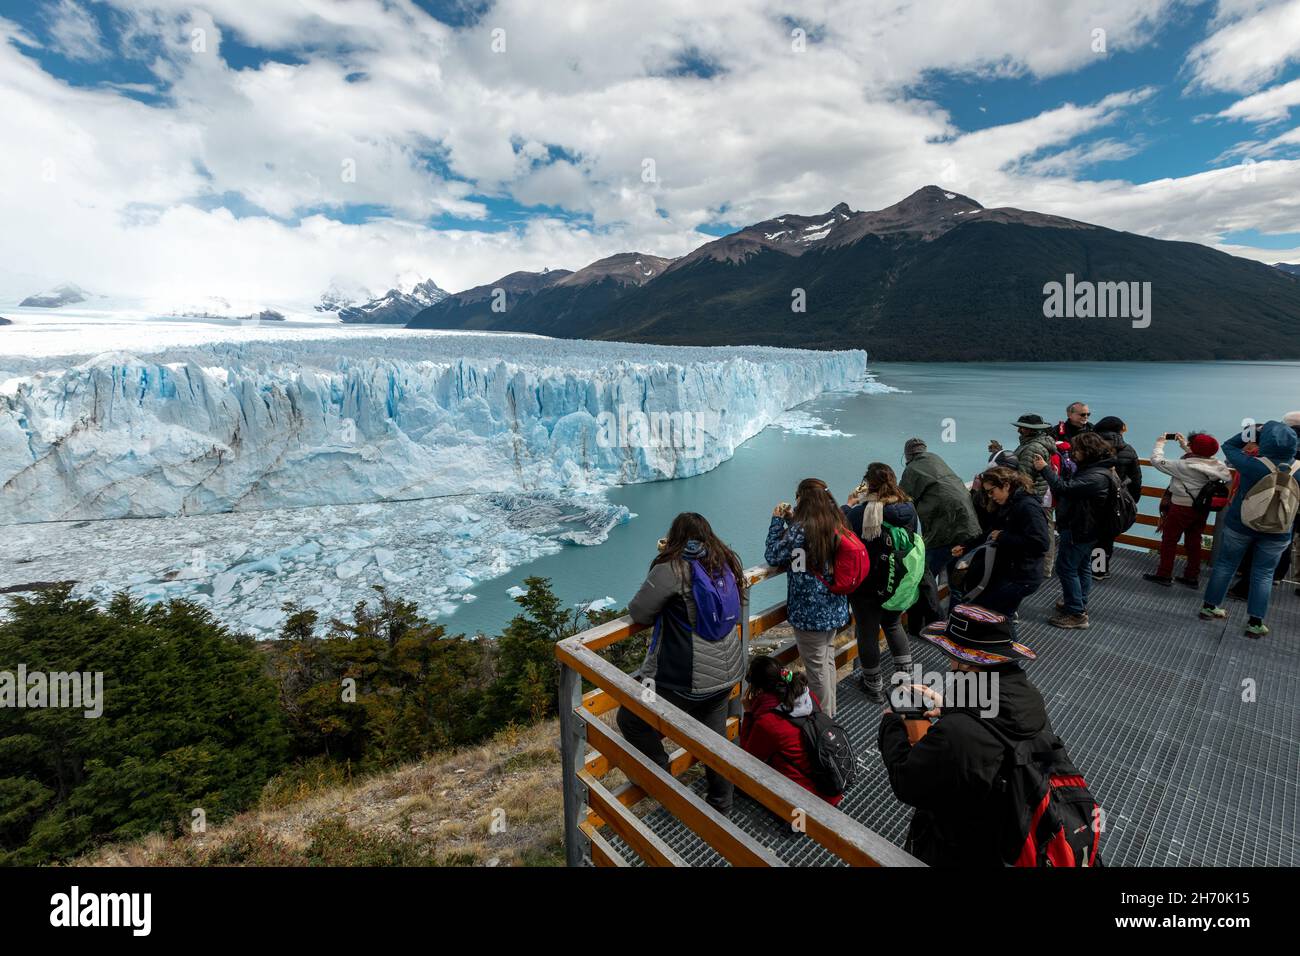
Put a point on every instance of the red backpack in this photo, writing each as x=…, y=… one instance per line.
x=851, y=565
x=1053, y=820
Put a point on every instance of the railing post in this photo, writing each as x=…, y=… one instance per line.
x=573, y=745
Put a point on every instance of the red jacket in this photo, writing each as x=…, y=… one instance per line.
x=778, y=742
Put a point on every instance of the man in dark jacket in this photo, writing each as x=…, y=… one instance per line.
x=942, y=503
x=1130, y=474
x=1078, y=503
x=1076, y=422
x=949, y=770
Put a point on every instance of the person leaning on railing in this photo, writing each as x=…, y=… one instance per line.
x=682, y=667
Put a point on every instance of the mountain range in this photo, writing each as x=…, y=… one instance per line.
x=934, y=277
x=1291, y=267
x=394, y=306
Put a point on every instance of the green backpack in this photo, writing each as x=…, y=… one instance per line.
x=904, y=554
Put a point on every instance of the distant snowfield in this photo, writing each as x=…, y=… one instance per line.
x=244, y=465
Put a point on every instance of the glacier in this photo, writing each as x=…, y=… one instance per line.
x=258, y=425
x=314, y=465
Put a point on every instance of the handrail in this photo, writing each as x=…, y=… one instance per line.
x=590, y=805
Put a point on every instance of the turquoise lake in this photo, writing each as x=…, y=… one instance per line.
x=981, y=400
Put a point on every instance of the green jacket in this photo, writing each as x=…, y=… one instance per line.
x=942, y=501
x=1040, y=444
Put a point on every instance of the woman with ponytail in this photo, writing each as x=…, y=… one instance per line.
x=775, y=695
x=802, y=541
x=873, y=504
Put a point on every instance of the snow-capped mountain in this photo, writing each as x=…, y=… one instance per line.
x=65, y=294
x=4, y=321
x=393, y=307
x=1291, y=267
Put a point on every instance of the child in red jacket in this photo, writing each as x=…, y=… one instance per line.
x=766, y=731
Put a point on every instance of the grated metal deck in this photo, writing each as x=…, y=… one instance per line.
x=1149, y=701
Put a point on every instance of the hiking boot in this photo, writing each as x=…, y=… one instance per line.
x=1209, y=612
x=1100, y=575
x=1060, y=607
x=1070, y=621
x=1157, y=579
x=1256, y=629
x=873, y=692
x=1189, y=582
x=1237, y=595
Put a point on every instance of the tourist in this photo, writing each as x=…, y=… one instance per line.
x=687, y=663
x=1129, y=469
x=1276, y=447
x=802, y=541
x=942, y=503
x=1036, y=440
x=949, y=770
x=776, y=699
x=1018, y=530
x=878, y=502
x=979, y=497
x=1187, y=476
x=1078, y=500
x=1076, y=422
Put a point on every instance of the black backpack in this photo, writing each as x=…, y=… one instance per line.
x=1118, y=511
x=1213, y=496
x=1051, y=817
x=835, y=768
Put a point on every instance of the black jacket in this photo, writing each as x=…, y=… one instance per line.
x=1023, y=539
x=1126, y=463
x=949, y=775
x=1078, y=499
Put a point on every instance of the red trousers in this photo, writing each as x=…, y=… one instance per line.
x=1188, y=524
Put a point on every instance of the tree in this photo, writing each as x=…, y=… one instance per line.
x=189, y=722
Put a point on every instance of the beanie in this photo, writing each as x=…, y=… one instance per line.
x=1203, y=446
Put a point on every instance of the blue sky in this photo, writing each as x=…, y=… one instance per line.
x=285, y=144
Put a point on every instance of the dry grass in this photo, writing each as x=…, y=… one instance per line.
x=497, y=804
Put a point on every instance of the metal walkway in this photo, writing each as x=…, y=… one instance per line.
x=1149, y=700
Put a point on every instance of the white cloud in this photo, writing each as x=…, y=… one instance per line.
x=1254, y=41
x=435, y=121
x=1267, y=106
x=74, y=31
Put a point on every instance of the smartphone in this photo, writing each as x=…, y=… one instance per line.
x=1171, y=436
x=913, y=706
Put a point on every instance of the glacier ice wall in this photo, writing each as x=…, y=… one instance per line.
x=255, y=425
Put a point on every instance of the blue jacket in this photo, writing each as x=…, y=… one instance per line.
x=810, y=605
x=1277, y=443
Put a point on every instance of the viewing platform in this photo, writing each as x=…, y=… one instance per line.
x=1187, y=731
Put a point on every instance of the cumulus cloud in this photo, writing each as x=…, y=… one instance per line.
x=368, y=140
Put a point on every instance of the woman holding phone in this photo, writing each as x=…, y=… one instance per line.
x=802, y=541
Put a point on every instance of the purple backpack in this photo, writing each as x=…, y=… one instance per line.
x=717, y=602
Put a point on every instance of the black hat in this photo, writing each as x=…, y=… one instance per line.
x=1032, y=422
x=1109, y=424
x=978, y=636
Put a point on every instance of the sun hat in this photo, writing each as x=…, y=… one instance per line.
x=977, y=635
x=1033, y=422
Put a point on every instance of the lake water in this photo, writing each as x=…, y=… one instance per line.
x=980, y=400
